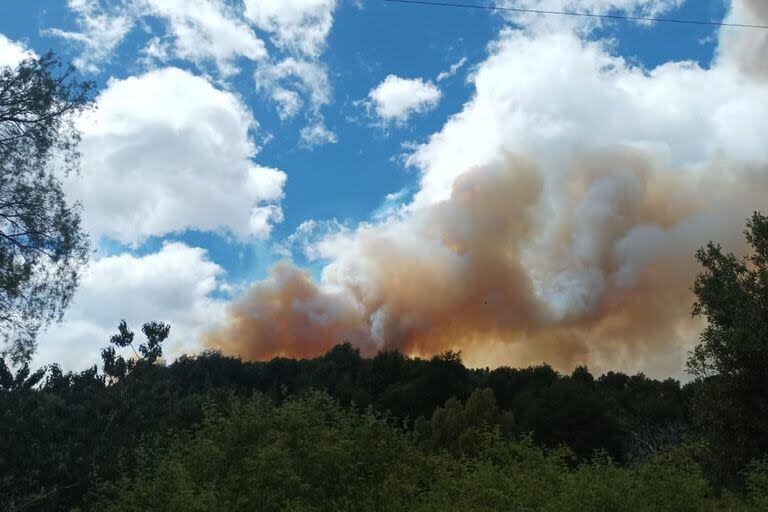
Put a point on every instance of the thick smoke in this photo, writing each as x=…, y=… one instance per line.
x=556, y=220
x=747, y=48
x=498, y=273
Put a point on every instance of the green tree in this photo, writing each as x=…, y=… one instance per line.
x=732, y=356
x=115, y=366
x=459, y=428
x=310, y=453
x=24, y=379
x=42, y=245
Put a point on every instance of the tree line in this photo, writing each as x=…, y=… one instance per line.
x=108, y=434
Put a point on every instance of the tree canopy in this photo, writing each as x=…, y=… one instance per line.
x=732, y=356
x=43, y=247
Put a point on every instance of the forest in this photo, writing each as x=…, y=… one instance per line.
x=211, y=432
x=340, y=432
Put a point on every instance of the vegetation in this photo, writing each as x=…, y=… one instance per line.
x=732, y=358
x=62, y=433
x=310, y=453
x=42, y=246
x=341, y=432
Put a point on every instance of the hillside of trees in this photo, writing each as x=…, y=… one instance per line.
x=341, y=432
x=209, y=432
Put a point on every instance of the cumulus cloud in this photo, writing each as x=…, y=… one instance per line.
x=300, y=29
x=12, y=52
x=396, y=99
x=536, y=93
x=174, y=285
x=224, y=33
x=556, y=216
x=299, y=26
x=197, y=30
x=207, y=29
x=166, y=151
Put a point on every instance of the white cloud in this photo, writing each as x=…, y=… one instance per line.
x=288, y=102
x=12, y=52
x=263, y=218
x=282, y=79
x=165, y=152
x=554, y=90
x=299, y=26
x=397, y=99
x=173, y=285
x=287, y=83
x=543, y=23
x=220, y=32
x=198, y=30
x=309, y=238
x=316, y=134
x=207, y=29
x=649, y=7
x=100, y=32
x=455, y=67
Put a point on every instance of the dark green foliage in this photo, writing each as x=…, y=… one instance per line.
x=51, y=438
x=310, y=453
x=116, y=366
x=124, y=336
x=24, y=379
x=42, y=245
x=156, y=333
x=460, y=428
x=731, y=359
x=756, y=476
x=57, y=436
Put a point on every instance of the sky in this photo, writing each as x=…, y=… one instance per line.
x=272, y=177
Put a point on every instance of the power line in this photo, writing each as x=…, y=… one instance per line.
x=578, y=14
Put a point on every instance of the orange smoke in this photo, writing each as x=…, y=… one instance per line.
x=514, y=268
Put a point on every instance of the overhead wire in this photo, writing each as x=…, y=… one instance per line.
x=576, y=14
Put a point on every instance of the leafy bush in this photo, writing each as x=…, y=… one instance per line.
x=311, y=453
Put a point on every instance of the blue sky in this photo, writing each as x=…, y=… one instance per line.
x=347, y=180
x=341, y=180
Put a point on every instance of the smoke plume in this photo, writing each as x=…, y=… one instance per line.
x=556, y=220
x=495, y=272
x=748, y=49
